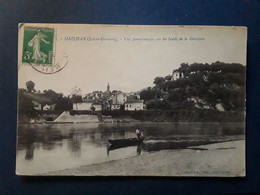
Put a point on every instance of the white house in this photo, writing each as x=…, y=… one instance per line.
x=134, y=105
x=220, y=107
x=94, y=95
x=119, y=98
x=97, y=94
x=177, y=75
x=97, y=106
x=115, y=106
x=36, y=105
x=49, y=107
x=82, y=106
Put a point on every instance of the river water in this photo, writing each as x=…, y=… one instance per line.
x=43, y=148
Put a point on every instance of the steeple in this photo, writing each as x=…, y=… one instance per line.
x=108, y=87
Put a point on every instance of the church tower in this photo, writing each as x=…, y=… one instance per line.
x=107, y=93
x=108, y=87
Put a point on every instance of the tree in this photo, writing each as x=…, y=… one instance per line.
x=75, y=94
x=76, y=91
x=63, y=104
x=158, y=80
x=30, y=86
x=52, y=95
x=115, y=91
x=147, y=94
x=25, y=104
x=177, y=95
x=216, y=66
x=184, y=68
x=158, y=104
x=158, y=94
x=76, y=98
x=168, y=77
x=215, y=78
x=197, y=67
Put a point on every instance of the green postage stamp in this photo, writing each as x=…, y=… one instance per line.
x=39, y=49
x=38, y=46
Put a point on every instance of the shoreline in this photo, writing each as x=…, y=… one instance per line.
x=135, y=122
x=193, y=115
x=224, y=159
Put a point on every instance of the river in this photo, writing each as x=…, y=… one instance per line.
x=43, y=148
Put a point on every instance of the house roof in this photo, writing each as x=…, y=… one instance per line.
x=88, y=101
x=96, y=92
x=97, y=103
x=50, y=105
x=134, y=101
x=131, y=98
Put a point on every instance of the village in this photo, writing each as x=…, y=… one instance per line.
x=107, y=100
x=90, y=107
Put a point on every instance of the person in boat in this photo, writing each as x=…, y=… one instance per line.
x=138, y=133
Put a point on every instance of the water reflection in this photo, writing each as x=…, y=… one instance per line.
x=139, y=149
x=29, y=152
x=74, y=143
x=158, y=136
x=80, y=144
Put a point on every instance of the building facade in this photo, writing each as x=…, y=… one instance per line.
x=82, y=106
x=37, y=105
x=115, y=106
x=49, y=107
x=107, y=100
x=97, y=106
x=134, y=105
x=177, y=75
x=119, y=98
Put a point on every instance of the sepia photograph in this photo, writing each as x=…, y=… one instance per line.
x=131, y=100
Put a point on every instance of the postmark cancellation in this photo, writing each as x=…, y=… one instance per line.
x=39, y=45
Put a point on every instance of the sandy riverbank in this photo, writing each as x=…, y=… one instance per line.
x=221, y=159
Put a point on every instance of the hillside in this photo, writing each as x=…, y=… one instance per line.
x=217, y=86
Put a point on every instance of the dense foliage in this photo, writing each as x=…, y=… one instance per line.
x=26, y=99
x=202, y=85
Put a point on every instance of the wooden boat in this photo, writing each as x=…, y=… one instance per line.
x=111, y=147
x=126, y=142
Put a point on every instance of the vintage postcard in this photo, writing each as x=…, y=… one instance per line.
x=129, y=100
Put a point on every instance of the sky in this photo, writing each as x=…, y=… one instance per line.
x=129, y=65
